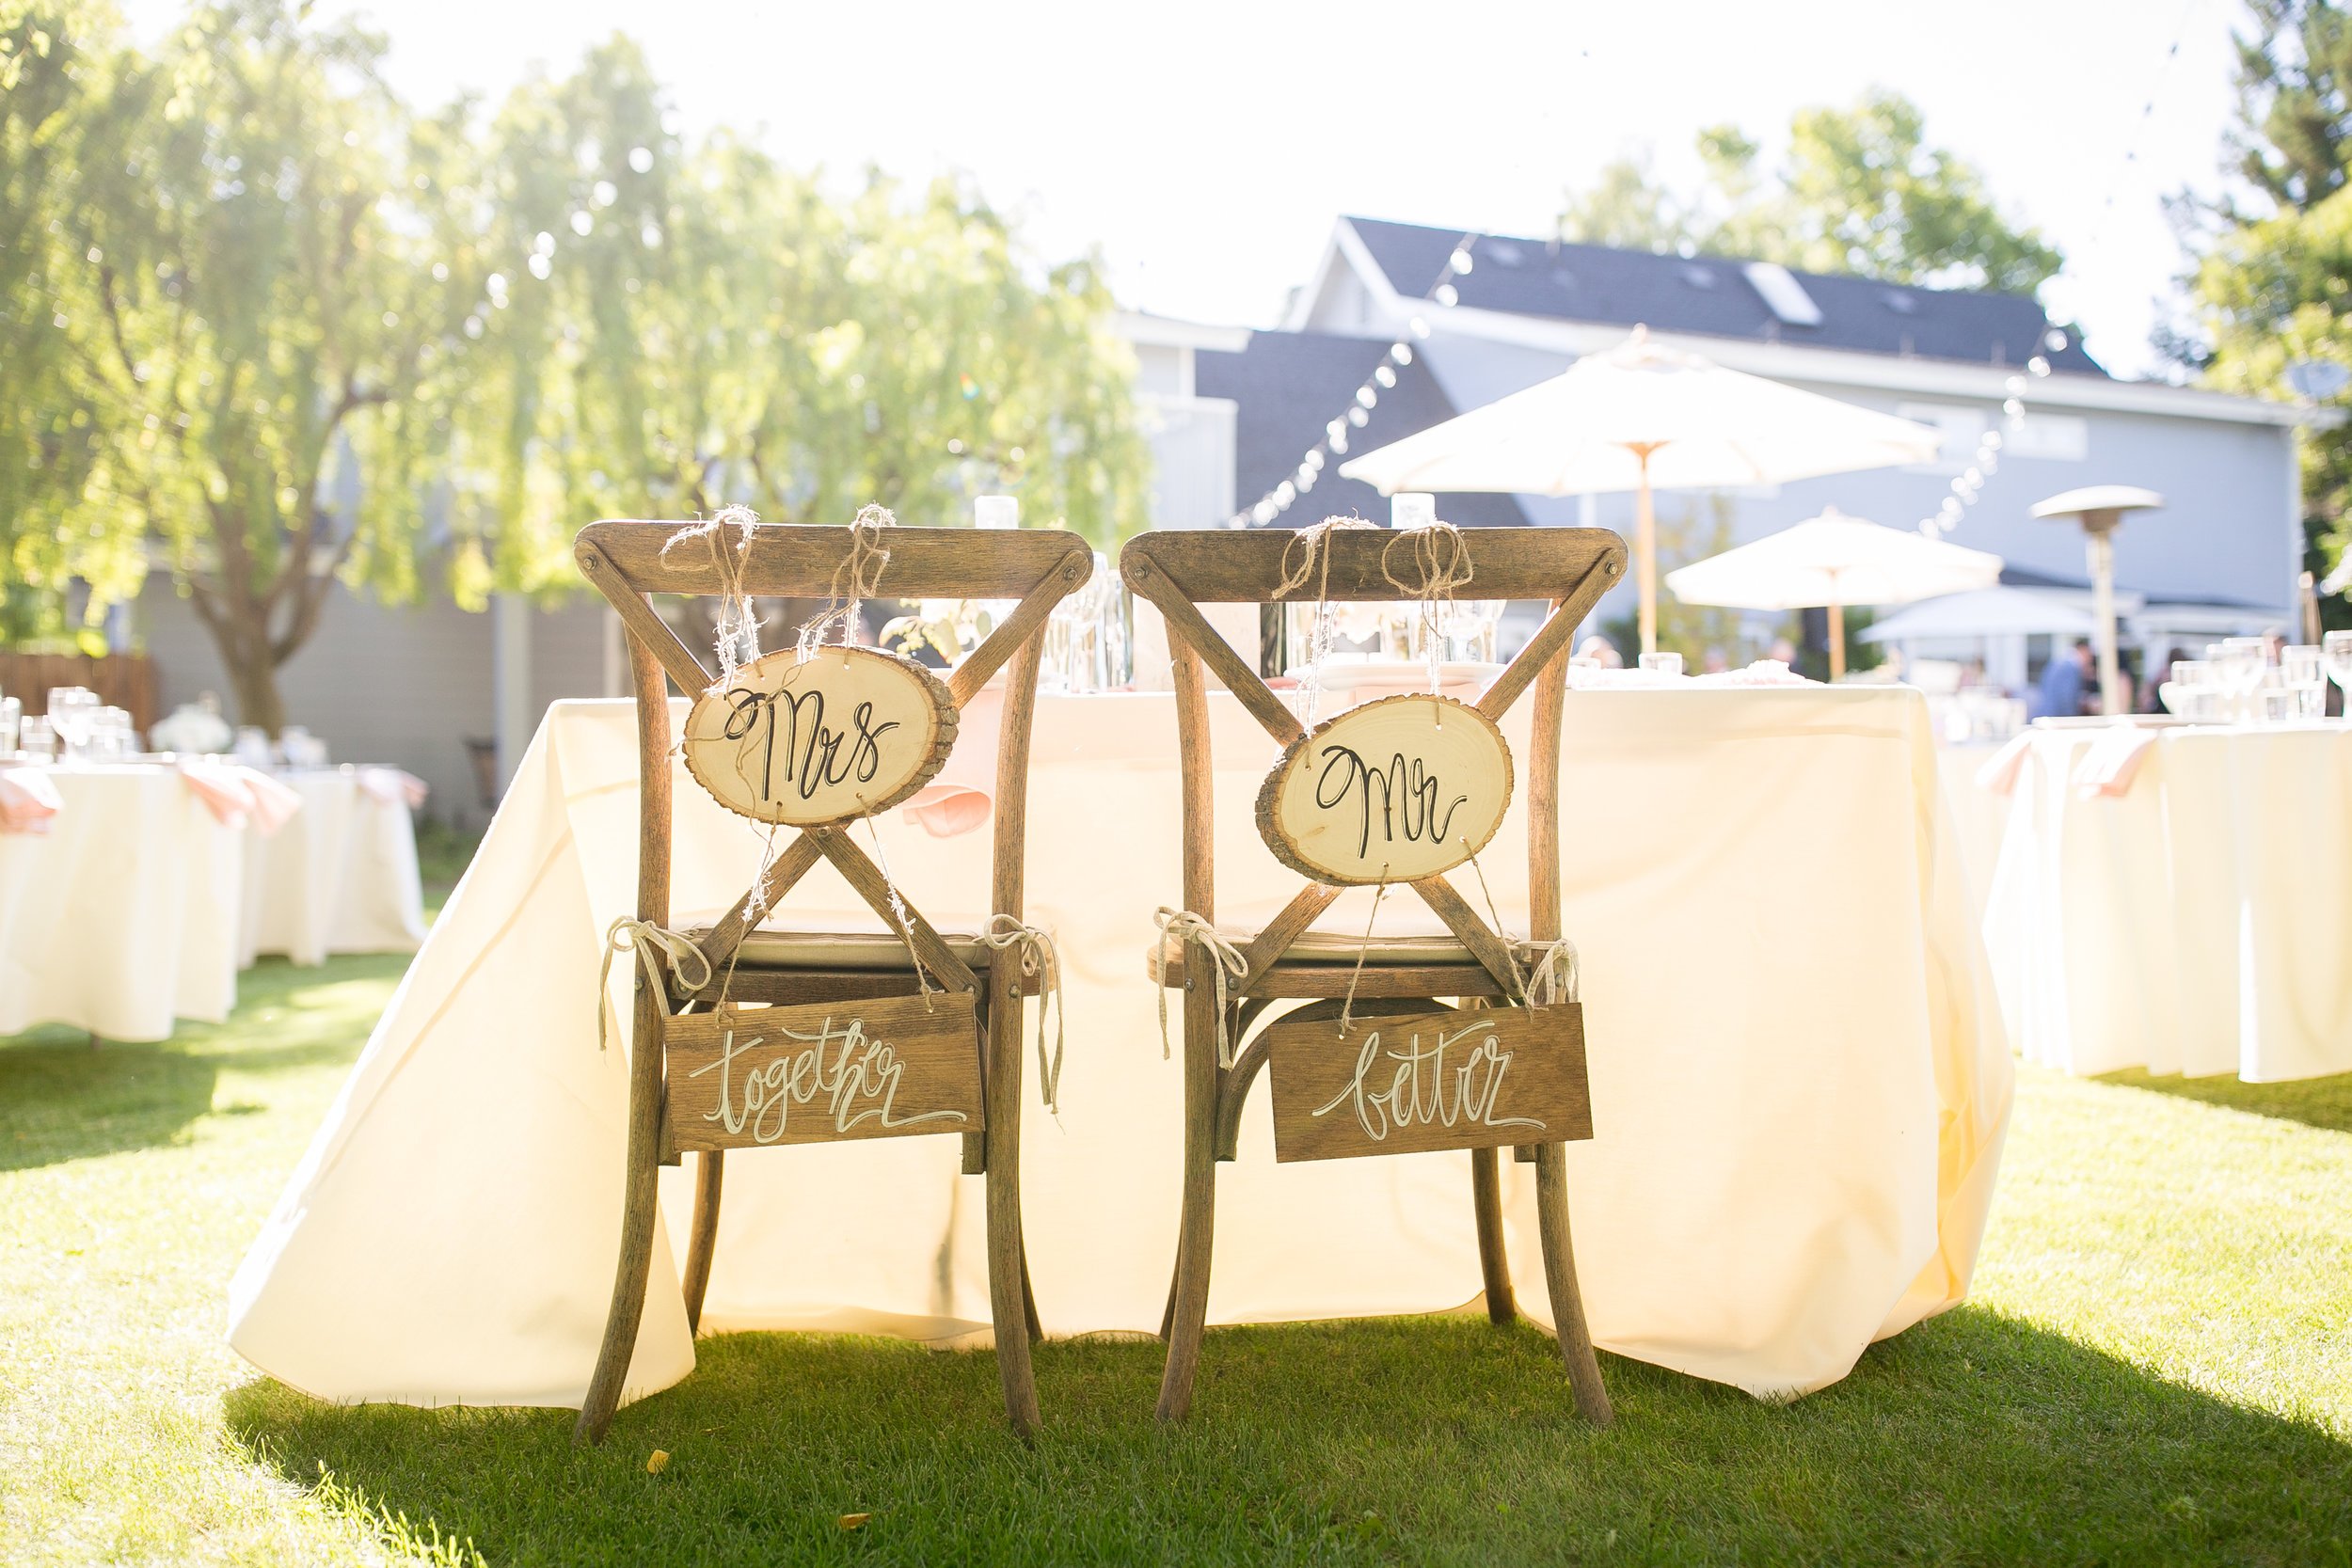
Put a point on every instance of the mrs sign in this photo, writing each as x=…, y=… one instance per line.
x=838, y=733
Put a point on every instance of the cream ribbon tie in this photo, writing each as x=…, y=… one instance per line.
x=1556, y=975
x=650, y=943
x=1042, y=964
x=1227, y=965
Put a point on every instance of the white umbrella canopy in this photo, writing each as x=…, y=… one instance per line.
x=1835, y=560
x=1638, y=417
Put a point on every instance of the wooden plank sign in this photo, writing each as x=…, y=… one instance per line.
x=1410, y=1082
x=763, y=1077
x=843, y=734
x=1396, y=790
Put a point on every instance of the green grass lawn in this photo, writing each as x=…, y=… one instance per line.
x=2156, y=1368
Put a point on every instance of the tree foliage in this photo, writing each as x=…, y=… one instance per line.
x=279, y=332
x=1859, y=191
x=2270, y=289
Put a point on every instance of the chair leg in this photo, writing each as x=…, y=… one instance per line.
x=709, y=1172
x=1567, y=1302
x=1028, y=1293
x=1010, y=1303
x=641, y=1191
x=1188, y=1301
x=1493, y=1261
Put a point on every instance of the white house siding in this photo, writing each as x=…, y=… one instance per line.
x=2225, y=531
x=401, y=684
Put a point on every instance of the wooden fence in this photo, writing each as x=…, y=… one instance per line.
x=120, y=680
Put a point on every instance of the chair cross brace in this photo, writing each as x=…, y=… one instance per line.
x=1187, y=625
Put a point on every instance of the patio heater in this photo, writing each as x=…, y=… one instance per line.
x=2099, y=508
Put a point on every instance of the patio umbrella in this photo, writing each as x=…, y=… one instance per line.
x=1638, y=417
x=1835, y=560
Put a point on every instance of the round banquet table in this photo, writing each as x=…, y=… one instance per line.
x=2199, y=921
x=340, y=876
x=1799, y=1080
x=124, y=915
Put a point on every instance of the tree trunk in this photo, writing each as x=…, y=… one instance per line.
x=254, y=676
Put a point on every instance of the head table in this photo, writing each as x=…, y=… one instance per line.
x=1799, y=1079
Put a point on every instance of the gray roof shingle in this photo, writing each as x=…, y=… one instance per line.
x=1711, y=296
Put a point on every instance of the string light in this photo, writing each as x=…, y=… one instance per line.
x=1366, y=398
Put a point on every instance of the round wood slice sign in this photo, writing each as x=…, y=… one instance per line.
x=843, y=734
x=1395, y=790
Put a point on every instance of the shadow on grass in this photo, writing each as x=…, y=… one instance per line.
x=2322, y=1102
x=1973, y=1438
x=60, y=1099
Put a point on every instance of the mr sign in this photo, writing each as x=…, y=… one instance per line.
x=1432, y=1079
x=1393, y=791
x=842, y=734
x=759, y=1077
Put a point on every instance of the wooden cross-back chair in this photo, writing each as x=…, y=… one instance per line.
x=1570, y=567
x=1036, y=567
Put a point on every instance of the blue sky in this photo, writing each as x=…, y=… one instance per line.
x=1205, y=148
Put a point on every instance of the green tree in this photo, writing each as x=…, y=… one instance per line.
x=59, y=517
x=1860, y=191
x=2270, y=289
x=248, y=303
x=667, y=328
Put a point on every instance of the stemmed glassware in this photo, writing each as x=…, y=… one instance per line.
x=73, y=714
x=2335, y=658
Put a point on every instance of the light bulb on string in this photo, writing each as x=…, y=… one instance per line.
x=1419, y=326
x=1447, y=294
x=1338, y=443
x=1401, y=352
x=2014, y=385
x=1285, y=493
x=1367, y=398
x=1357, y=418
x=2037, y=366
x=2055, y=340
x=1384, y=375
x=1460, y=261
x=1263, y=512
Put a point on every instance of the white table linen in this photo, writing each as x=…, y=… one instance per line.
x=340, y=878
x=2199, y=921
x=125, y=913
x=1799, y=1079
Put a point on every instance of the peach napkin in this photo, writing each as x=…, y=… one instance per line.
x=28, y=799
x=387, y=785
x=1999, y=776
x=2110, y=762
x=236, y=794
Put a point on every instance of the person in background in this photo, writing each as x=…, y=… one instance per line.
x=1785, y=651
x=1715, y=663
x=1601, y=652
x=2062, y=683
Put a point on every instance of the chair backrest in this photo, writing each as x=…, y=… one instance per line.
x=629, y=560
x=1570, y=567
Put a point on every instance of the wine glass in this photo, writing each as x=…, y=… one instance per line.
x=2335, y=658
x=2241, y=661
x=2299, y=672
x=73, y=710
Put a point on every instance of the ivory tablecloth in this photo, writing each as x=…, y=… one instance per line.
x=124, y=914
x=2198, y=923
x=1798, y=1076
x=340, y=878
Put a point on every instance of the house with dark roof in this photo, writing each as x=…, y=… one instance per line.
x=2223, y=553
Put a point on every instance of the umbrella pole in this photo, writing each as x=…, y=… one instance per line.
x=1836, y=640
x=1646, y=550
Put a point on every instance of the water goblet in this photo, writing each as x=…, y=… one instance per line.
x=2335, y=657
x=1669, y=665
x=38, y=737
x=2299, y=672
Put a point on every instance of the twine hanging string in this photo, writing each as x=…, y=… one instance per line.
x=1307, y=544
x=1041, y=975
x=650, y=943
x=1347, y=1008
x=899, y=913
x=1227, y=964
x=737, y=631
x=856, y=579
x=1441, y=564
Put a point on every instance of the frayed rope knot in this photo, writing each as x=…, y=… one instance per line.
x=1041, y=963
x=1556, y=974
x=1225, y=965
x=856, y=579
x=737, y=631
x=650, y=943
